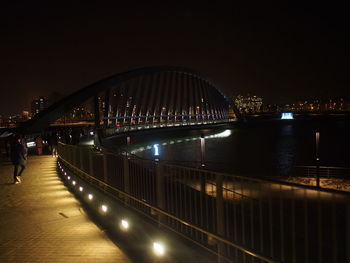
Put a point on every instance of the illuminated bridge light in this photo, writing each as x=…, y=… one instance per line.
x=90, y=196
x=68, y=177
x=81, y=188
x=73, y=182
x=223, y=134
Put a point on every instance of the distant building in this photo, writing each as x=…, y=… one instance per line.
x=248, y=104
x=38, y=105
x=25, y=115
x=76, y=114
x=337, y=104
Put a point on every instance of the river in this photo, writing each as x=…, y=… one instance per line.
x=266, y=148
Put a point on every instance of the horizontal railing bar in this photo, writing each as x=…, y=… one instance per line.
x=246, y=251
x=322, y=167
x=252, y=179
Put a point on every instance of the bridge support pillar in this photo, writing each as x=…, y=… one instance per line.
x=220, y=229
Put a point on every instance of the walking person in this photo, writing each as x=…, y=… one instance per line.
x=23, y=141
x=18, y=158
x=39, y=145
x=54, y=143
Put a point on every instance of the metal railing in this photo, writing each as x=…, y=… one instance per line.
x=324, y=171
x=237, y=218
x=337, y=178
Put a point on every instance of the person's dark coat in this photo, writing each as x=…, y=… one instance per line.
x=53, y=140
x=18, y=154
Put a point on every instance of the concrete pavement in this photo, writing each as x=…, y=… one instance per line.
x=41, y=221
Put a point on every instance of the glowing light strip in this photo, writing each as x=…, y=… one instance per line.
x=223, y=134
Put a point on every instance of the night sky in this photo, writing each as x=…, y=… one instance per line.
x=282, y=51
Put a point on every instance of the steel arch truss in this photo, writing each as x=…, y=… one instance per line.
x=163, y=97
x=156, y=95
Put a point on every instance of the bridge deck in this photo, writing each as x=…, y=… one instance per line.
x=42, y=222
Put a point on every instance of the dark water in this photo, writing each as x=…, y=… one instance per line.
x=269, y=148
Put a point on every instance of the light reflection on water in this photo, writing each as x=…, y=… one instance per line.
x=267, y=149
x=223, y=134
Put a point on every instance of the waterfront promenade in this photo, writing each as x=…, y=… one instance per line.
x=41, y=221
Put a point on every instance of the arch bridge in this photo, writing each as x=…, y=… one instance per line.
x=143, y=98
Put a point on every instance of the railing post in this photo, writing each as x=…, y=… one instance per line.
x=347, y=248
x=74, y=159
x=81, y=152
x=91, y=159
x=203, y=183
x=220, y=228
x=71, y=154
x=126, y=176
x=160, y=188
x=317, y=160
x=105, y=168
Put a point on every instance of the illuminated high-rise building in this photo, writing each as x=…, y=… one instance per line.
x=38, y=105
x=248, y=104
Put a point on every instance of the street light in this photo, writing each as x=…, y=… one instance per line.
x=202, y=150
x=317, y=159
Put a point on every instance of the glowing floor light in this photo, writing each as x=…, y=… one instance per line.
x=124, y=225
x=104, y=208
x=158, y=249
x=287, y=116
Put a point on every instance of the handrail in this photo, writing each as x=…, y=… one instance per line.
x=323, y=167
x=215, y=236
x=252, y=179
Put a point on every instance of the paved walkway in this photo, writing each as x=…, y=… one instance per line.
x=40, y=221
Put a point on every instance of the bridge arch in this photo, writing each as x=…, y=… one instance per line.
x=146, y=95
